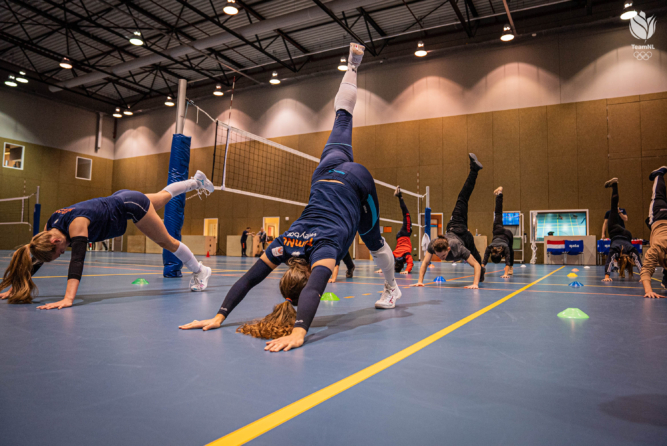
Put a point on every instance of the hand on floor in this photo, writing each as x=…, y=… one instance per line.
x=206, y=324
x=607, y=279
x=471, y=287
x=5, y=295
x=285, y=343
x=404, y=272
x=506, y=276
x=417, y=284
x=60, y=304
x=653, y=295
x=332, y=280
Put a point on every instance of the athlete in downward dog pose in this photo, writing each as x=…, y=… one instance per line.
x=93, y=221
x=501, y=245
x=621, y=238
x=403, y=251
x=458, y=243
x=342, y=201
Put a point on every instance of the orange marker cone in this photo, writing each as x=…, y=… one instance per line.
x=207, y=254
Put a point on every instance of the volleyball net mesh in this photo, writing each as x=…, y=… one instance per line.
x=248, y=164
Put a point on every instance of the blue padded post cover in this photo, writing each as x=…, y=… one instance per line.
x=179, y=162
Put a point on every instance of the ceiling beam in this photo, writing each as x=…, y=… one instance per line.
x=280, y=32
x=457, y=11
x=330, y=13
x=235, y=34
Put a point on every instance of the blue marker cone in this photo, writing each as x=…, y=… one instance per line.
x=439, y=279
x=576, y=284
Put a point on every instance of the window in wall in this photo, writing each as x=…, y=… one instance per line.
x=13, y=156
x=84, y=168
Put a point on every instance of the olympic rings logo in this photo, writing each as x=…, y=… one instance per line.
x=642, y=55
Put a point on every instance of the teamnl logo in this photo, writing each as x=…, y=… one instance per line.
x=642, y=28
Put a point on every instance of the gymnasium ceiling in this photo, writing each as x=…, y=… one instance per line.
x=36, y=34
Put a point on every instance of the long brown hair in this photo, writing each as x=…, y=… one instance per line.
x=18, y=274
x=281, y=321
x=496, y=254
x=440, y=244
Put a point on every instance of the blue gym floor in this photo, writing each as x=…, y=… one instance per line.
x=116, y=370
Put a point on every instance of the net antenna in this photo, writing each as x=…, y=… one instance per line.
x=248, y=164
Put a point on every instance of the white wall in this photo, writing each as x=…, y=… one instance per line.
x=568, y=67
x=36, y=120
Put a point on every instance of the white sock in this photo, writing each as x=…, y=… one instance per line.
x=346, y=98
x=186, y=256
x=181, y=187
x=384, y=259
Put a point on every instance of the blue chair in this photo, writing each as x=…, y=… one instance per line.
x=575, y=248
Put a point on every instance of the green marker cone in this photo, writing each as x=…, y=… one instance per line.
x=330, y=297
x=573, y=313
x=140, y=282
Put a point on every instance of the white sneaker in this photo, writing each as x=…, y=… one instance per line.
x=356, y=54
x=203, y=182
x=199, y=281
x=389, y=297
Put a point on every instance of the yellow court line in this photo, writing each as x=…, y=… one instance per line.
x=271, y=421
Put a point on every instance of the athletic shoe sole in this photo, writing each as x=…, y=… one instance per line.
x=611, y=182
x=473, y=158
x=660, y=171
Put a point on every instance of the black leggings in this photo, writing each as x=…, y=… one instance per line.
x=348, y=261
x=658, y=209
x=499, y=229
x=406, y=229
x=615, y=223
x=458, y=223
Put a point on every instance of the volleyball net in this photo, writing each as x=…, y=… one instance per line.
x=248, y=164
x=16, y=210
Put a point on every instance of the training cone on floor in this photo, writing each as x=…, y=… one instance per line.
x=573, y=313
x=576, y=284
x=430, y=266
x=439, y=279
x=329, y=297
x=587, y=267
x=208, y=254
x=523, y=266
x=575, y=270
x=140, y=282
x=572, y=275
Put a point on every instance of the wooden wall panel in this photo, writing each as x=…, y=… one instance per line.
x=407, y=143
x=363, y=144
x=454, y=159
x=563, y=189
x=430, y=143
x=653, y=125
x=387, y=149
x=592, y=130
x=432, y=176
x=480, y=142
x=562, y=128
x=506, y=158
x=624, y=130
x=533, y=143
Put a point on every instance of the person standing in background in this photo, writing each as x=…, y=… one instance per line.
x=244, y=239
x=262, y=241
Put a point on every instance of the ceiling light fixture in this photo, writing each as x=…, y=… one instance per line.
x=66, y=64
x=136, y=39
x=342, y=65
x=21, y=78
x=128, y=112
x=231, y=8
x=117, y=114
x=628, y=11
x=507, y=34
x=274, y=78
x=11, y=81
x=421, y=52
x=169, y=102
x=218, y=90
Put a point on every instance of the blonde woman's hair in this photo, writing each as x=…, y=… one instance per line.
x=281, y=320
x=19, y=272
